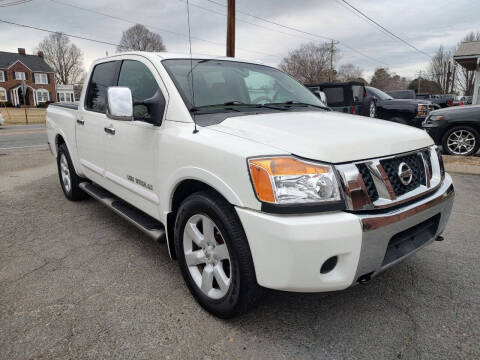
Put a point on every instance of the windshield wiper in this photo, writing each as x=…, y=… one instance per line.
x=298, y=104
x=229, y=105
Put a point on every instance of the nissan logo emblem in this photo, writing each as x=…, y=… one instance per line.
x=405, y=173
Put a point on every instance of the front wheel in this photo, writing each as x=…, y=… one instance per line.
x=214, y=255
x=461, y=140
x=69, y=180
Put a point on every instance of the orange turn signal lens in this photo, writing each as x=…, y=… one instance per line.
x=263, y=169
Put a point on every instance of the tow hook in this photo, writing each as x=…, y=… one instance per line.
x=439, y=238
x=365, y=279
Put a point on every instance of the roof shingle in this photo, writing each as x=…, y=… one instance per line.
x=33, y=62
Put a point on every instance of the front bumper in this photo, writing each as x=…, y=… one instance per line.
x=289, y=250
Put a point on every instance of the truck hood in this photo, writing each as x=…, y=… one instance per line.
x=408, y=101
x=326, y=135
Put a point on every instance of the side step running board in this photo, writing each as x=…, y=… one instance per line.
x=144, y=222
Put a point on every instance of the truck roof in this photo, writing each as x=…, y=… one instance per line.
x=170, y=55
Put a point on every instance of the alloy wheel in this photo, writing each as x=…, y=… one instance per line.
x=65, y=173
x=372, y=110
x=207, y=257
x=461, y=142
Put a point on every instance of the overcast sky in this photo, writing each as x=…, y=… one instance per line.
x=426, y=24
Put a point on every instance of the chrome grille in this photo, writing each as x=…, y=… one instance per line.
x=375, y=184
x=415, y=161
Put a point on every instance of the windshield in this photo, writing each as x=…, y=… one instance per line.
x=378, y=93
x=219, y=82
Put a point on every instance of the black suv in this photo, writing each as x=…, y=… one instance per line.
x=355, y=98
x=348, y=97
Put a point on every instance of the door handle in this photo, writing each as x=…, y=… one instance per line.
x=80, y=121
x=110, y=130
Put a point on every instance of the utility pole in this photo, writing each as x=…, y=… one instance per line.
x=419, y=80
x=330, y=78
x=231, y=29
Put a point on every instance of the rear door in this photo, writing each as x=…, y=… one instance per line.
x=91, y=121
x=132, y=151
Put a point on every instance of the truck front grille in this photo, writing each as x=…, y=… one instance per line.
x=376, y=183
x=368, y=180
x=415, y=162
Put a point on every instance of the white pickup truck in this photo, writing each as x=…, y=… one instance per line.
x=247, y=177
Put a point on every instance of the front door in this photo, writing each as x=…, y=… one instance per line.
x=92, y=120
x=132, y=151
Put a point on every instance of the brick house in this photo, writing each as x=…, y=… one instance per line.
x=38, y=75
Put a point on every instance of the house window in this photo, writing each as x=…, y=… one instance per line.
x=2, y=76
x=3, y=95
x=41, y=79
x=42, y=95
x=19, y=75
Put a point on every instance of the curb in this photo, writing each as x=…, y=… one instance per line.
x=462, y=164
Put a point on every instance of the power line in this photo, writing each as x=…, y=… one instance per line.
x=341, y=43
x=56, y=32
x=154, y=27
x=4, y=3
x=384, y=29
x=274, y=22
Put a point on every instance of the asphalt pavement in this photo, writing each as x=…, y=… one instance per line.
x=22, y=136
x=79, y=282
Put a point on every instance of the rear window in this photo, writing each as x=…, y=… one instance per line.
x=335, y=95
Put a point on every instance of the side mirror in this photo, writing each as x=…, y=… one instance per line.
x=321, y=95
x=156, y=108
x=119, y=103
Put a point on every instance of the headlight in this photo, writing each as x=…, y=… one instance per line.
x=287, y=180
x=435, y=118
x=422, y=110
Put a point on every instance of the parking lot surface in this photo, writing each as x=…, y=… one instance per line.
x=18, y=136
x=78, y=282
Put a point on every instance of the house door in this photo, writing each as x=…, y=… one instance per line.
x=21, y=99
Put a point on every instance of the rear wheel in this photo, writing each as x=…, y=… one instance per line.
x=214, y=256
x=372, y=109
x=69, y=180
x=461, y=140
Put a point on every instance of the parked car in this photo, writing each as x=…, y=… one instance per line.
x=348, y=97
x=402, y=94
x=248, y=191
x=403, y=111
x=439, y=100
x=457, y=129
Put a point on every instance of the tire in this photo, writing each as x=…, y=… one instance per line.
x=399, y=120
x=69, y=180
x=461, y=140
x=240, y=291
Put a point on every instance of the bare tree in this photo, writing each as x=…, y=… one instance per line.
x=465, y=78
x=349, y=72
x=310, y=63
x=139, y=38
x=442, y=70
x=65, y=58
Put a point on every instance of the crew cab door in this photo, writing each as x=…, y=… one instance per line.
x=92, y=120
x=132, y=150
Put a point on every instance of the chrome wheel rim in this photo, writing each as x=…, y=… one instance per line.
x=461, y=142
x=372, y=110
x=207, y=257
x=65, y=173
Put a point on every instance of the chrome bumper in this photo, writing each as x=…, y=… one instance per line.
x=380, y=229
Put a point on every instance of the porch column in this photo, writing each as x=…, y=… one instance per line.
x=34, y=95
